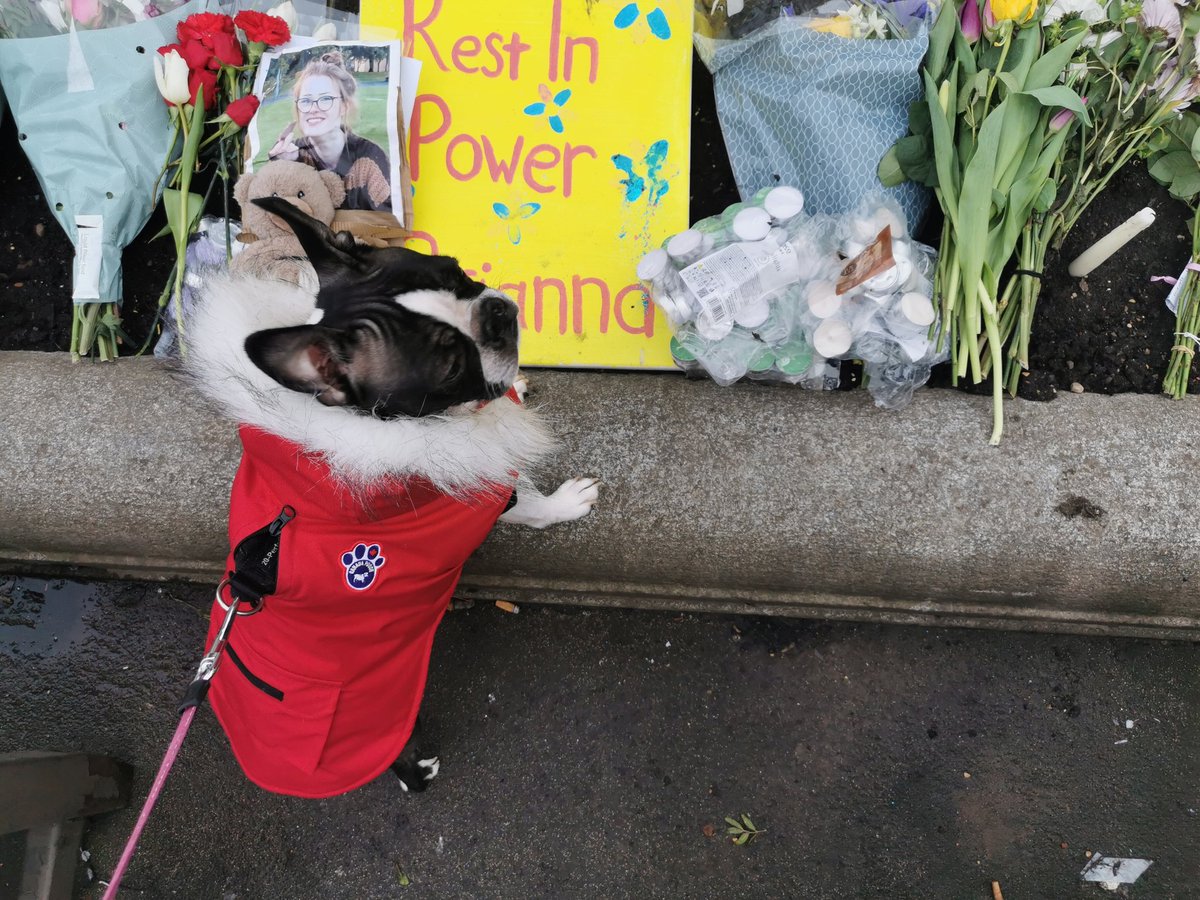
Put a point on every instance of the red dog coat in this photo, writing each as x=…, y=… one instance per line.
x=318, y=693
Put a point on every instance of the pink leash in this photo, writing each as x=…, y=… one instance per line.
x=256, y=561
x=164, y=769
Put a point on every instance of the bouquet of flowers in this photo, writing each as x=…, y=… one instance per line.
x=95, y=134
x=1029, y=111
x=204, y=78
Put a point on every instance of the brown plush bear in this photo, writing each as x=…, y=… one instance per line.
x=272, y=251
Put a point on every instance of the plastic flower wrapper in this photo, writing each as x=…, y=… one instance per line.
x=42, y=18
x=815, y=108
x=95, y=129
x=323, y=20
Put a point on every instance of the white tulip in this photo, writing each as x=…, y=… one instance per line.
x=287, y=12
x=171, y=76
x=327, y=32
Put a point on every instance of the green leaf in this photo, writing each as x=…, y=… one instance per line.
x=741, y=839
x=964, y=54
x=1046, y=70
x=1019, y=127
x=748, y=823
x=1170, y=166
x=1186, y=186
x=1061, y=95
x=942, y=128
x=1047, y=196
x=1195, y=142
x=181, y=222
x=975, y=202
x=1027, y=45
x=734, y=822
x=915, y=158
x=918, y=118
x=944, y=30
x=162, y=232
x=890, y=171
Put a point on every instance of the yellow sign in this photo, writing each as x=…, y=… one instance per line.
x=548, y=151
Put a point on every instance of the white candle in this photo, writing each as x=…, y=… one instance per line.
x=1094, y=255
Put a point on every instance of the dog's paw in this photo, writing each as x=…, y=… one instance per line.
x=415, y=775
x=521, y=386
x=574, y=499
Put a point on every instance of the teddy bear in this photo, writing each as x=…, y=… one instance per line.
x=271, y=250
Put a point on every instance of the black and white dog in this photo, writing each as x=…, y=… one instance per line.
x=384, y=414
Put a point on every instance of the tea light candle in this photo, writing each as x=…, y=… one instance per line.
x=710, y=330
x=652, y=265
x=832, y=338
x=783, y=203
x=753, y=313
x=688, y=246
x=752, y=224
x=823, y=299
x=1094, y=255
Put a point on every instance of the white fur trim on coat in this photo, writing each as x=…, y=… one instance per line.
x=459, y=452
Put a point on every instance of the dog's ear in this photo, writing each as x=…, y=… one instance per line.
x=333, y=256
x=346, y=270
x=306, y=358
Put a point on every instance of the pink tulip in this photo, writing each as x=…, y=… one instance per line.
x=972, y=28
x=989, y=20
x=85, y=10
x=1063, y=118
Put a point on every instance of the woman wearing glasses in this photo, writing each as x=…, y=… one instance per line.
x=323, y=109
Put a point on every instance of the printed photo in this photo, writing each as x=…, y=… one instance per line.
x=333, y=106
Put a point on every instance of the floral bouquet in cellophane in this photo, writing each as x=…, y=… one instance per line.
x=80, y=87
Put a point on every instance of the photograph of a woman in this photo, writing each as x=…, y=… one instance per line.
x=332, y=107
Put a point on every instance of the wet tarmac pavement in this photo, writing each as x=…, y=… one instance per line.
x=596, y=754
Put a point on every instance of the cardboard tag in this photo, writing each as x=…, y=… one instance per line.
x=875, y=259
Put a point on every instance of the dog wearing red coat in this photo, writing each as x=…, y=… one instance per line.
x=384, y=412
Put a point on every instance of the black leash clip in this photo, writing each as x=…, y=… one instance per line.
x=254, y=577
x=255, y=566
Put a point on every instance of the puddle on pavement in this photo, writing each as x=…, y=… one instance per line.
x=40, y=617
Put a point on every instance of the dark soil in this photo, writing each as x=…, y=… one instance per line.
x=1110, y=332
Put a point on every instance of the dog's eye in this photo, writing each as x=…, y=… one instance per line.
x=274, y=193
x=300, y=194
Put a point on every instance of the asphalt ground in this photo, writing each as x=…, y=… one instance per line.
x=590, y=753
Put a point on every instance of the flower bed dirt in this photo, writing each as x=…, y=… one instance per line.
x=1109, y=333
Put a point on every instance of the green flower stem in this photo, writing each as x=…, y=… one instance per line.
x=1187, y=319
x=993, y=335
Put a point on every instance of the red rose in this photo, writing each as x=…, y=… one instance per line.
x=243, y=110
x=195, y=54
x=263, y=29
x=198, y=26
x=225, y=50
x=203, y=78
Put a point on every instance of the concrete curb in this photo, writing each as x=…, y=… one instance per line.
x=748, y=499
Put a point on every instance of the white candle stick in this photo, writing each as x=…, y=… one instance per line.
x=1090, y=258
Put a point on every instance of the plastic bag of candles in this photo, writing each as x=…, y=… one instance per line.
x=765, y=291
x=815, y=97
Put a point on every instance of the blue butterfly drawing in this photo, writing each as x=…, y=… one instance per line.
x=552, y=104
x=513, y=217
x=656, y=19
x=650, y=184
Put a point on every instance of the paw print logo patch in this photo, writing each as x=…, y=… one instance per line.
x=362, y=565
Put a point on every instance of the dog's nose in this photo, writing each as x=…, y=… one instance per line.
x=497, y=320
